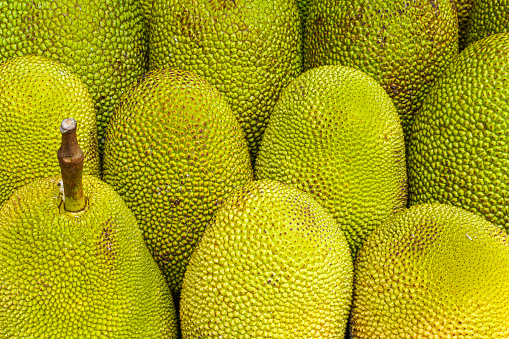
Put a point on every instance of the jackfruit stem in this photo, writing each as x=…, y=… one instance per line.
x=70, y=159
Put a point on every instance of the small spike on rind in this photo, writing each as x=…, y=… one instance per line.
x=70, y=159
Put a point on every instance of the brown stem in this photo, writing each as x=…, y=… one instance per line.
x=70, y=159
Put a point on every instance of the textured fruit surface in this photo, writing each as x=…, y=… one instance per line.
x=91, y=276
x=336, y=134
x=432, y=271
x=102, y=41
x=36, y=94
x=248, y=49
x=463, y=8
x=401, y=44
x=487, y=17
x=459, y=147
x=273, y=264
x=173, y=151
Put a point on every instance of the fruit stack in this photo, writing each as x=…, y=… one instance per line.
x=254, y=169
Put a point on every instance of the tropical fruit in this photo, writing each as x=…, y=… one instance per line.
x=173, y=151
x=458, y=150
x=272, y=264
x=35, y=95
x=463, y=8
x=73, y=263
x=487, y=17
x=432, y=271
x=248, y=49
x=101, y=41
x=336, y=134
x=402, y=44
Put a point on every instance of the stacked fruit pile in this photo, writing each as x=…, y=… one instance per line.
x=254, y=169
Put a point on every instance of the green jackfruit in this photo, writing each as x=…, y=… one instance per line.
x=36, y=94
x=487, y=17
x=248, y=49
x=77, y=267
x=335, y=133
x=173, y=151
x=459, y=146
x=273, y=264
x=402, y=44
x=463, y=8
x=432, y=271
x=102, y=41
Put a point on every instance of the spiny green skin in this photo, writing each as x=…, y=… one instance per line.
x=91, y=276
x=432, y=271
x=402, y=44
x=36, y=94
x=248, y=49
x=335, y=133
x=487, y=17
x=459, y=147
x=302, y=6
x=173, y=151
x=463, y=8
x=273, y=264
x=102, y=41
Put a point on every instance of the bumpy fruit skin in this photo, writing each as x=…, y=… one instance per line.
x=91, y=276
x=273, y=264
x=173, y=151
x=402, y=44
x=432, y=271
x=36, y=94
x=459, y=147
x=248, y=49
x=102, y=41
x=336, y=134
x=463, y=8
x=487, y=17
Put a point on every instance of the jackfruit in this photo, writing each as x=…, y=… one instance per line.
x=487, y=17
x=432, y=271
x=35, y=95
x=173, y=151
x=273, y=264
x=73, y=263
x=459, y=147
x=336, y=134
x=101, y=41
x=463, y=8
x=403, y=45
x=248, y=49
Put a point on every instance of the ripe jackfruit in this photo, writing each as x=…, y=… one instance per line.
x=248, y=49
x=459, y=146
x=35, y=95
x=273, y=264
x=77, y=273
x=432, y=271
x=173, y=151
x=336, y=134
x=101, y=41
x=487, y=17
x=402, y=44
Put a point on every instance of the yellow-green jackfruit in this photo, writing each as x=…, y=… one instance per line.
x=81, y=272
x=36, y=94
x=336, y=134
x=402, y=44
x=432, y=271
x=463, y=8
x=459, y=146
x=173, y=151
x=273, y=264
x=487, y=17
x=102, y=42
x=248, y=49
